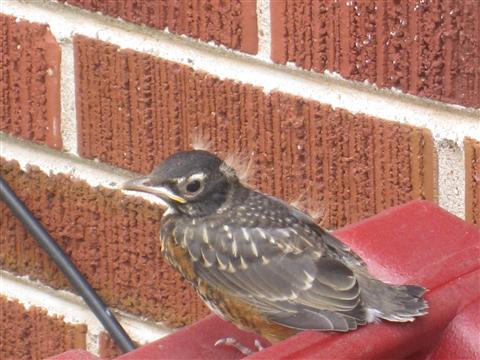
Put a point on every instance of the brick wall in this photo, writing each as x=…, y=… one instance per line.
x=33, y=334
x=350, y=107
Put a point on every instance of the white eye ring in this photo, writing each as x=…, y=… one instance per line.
x=197, y=176
x=194, y=183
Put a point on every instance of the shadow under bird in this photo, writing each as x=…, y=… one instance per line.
x=261, y=263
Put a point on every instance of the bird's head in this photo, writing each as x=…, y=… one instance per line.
x=194, y=183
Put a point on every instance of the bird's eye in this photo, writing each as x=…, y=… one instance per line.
x=193, y=186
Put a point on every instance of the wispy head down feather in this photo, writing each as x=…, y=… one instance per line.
x=200, y=142
x=318, y=215
x=238, y=161
x=241, y=165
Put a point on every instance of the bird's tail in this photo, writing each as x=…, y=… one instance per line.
x=392, y=302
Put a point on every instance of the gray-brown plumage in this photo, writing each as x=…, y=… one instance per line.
x=261, y=263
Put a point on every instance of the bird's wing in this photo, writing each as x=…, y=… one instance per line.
x=279, y=271
x=329, y=240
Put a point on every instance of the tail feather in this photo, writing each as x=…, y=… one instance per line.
x=392, y=302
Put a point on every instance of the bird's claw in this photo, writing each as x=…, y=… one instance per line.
x=230, y=341
x=258, y=345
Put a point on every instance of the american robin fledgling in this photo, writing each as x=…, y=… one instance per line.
x=260, y=262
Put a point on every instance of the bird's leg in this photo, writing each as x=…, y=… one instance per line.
x=229, y=341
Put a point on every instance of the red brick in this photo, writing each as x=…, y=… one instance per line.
x=232, y=23
x=29, y=82
x=133, y=110
x=32, y=334
x=472, y=181
x=107, y=348
x=113, y=239
x=426, y=48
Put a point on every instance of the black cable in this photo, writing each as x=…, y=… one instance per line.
x=101, y=311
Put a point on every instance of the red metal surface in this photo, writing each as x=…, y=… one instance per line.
x=461, y=339
x=415, y=243
x=74, y=355
x=196, y=342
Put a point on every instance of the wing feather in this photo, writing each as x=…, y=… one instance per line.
x=296, y=284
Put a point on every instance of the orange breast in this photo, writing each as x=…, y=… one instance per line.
x=230, y=307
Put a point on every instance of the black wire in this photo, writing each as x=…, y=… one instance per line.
x=85, y=290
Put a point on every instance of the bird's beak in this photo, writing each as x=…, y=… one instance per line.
x=144, y=185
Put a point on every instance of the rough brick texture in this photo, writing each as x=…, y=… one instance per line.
x=351, y=166
x=426, y=48
x=32, y=334
x=232, y=23
x=472, y=181
x=74, y=355
x=29, y=82
x=113, y=239
x=107, y=347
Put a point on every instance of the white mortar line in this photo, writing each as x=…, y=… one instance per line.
x=264, y=30
x=69, y=123
x=54, y=162
x=451, y=177
x=74, y=311
x=355, y=97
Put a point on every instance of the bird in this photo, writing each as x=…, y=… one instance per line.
x=260, y=262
